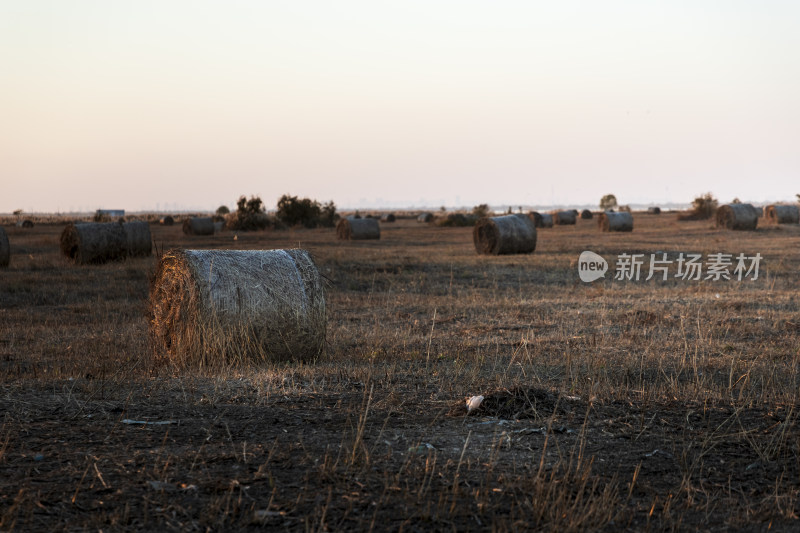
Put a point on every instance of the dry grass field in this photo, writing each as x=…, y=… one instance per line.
x=614, y=406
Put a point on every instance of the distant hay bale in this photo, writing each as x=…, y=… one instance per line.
x=737, y=217
x=27, y=223
x=137, y=239
x=783, y=214
x=509, y=234
x=223, y=307
x=219, y=225
x=654, y=210
x=94, y=242
x=166, y=221
x=425, y=218
x=198, y=226
x=358, y=229
x=541, y=220
x=564, y=217
x=586, y=215
x=388, y=217
x=610, y=221
x=5, y=249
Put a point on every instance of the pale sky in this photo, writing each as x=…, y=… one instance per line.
x=174, y=104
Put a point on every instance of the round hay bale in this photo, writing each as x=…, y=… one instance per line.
x=609, y=221
x=27, y=223
x=223, y=307
x=654, y=210
x=562, y=218
x=509, y=234
x=388, y=217
x=425, y=218
x=166, y=221
x=737, y=217
x=586, y=215
x=219, y=225
x=5, y=249
x=198, y=226
x=94, y=242
x=783, y=214
x=137, y=238
x=541, y=220
x=358, y=229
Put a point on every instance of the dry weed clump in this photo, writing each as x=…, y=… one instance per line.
x=212, y=308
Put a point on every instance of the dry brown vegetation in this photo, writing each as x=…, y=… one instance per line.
x=662, y=405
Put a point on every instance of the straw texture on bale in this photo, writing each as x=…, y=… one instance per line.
x=509, y=234
x=425, y=218
x=564, y=217
x=586, y=214
x=610, y=221
x=5, y=249
x=654, y=210
x=737, y=217
x=783, y=214
x=228, y=307
x=166, y=221
x=198, y=226
x=137, y=238
x=92, y=242
x=388, y=217
x=358, y=229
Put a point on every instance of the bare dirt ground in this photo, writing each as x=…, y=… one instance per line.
x=615, y=406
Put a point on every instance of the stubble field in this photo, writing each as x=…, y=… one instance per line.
x=616, y=405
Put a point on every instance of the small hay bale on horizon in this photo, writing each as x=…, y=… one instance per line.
x=782, y=214
x=198, y=226
x=222, y=308
x=541, y=220
x=137, y=238
x=166, y=221
x=358, y=229
x=425, y=218
x=5, y=249
x=562, y=218
x=611, y=221
x=740, y=217
x=388, y=217
x=94, y=242
x=508, y=234
x=586, y=215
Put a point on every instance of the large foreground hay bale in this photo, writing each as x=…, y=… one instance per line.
x=5, y=249
x=94, y=242
x=221, y=307
x=198, y=226
x=358, y=229
x=425, y=218
x=737, y=217
x=137, y=239
x=610, y=221
x=509, y=234
x=564, y=217
x=783, y=214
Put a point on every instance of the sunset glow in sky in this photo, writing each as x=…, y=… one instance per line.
x=189, y=104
